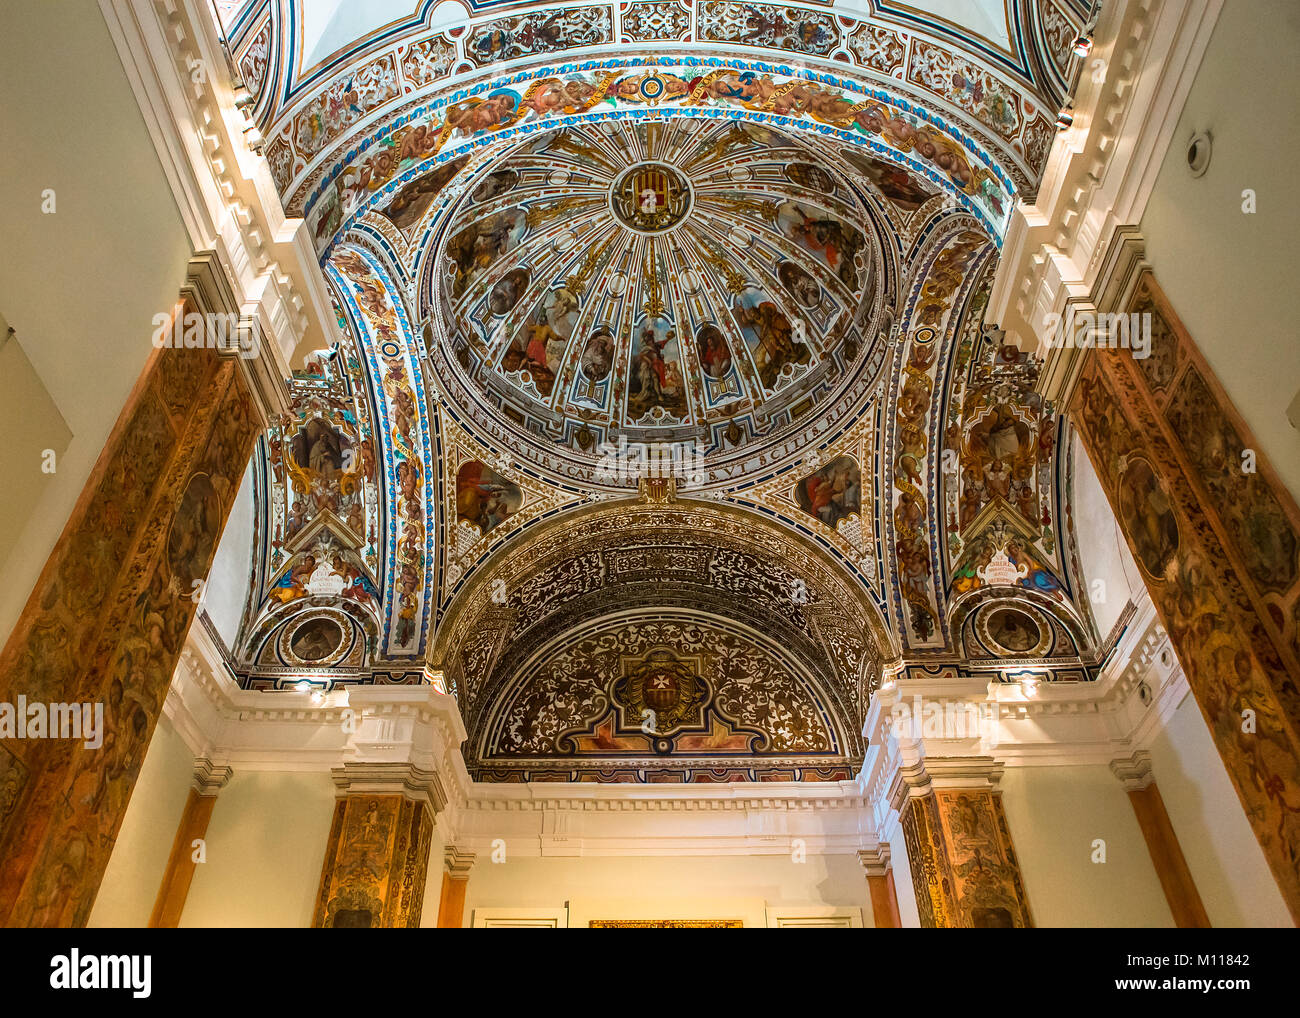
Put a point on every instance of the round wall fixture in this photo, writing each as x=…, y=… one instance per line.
x=1198, y=153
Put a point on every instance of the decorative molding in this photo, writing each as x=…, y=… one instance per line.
x=222, y=187
x=1100, y=172
x=457, y=862
x=520, y=918
x=1133, y=772
x=804, y=917
x=391, y=778
x=210, y=778
x=875, y=860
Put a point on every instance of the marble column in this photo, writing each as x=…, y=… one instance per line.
x=209, y=779
x=963, y=863
x=104, y=626
x=1166, y=853
x=1217, y=539
x=880, y=886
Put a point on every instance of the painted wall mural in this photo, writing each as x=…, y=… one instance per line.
x=795, y=29
x=426, y=61
x=254, y=61
x=937, y=292
x=684, y=250
x=509, y=108
x=737, y=642
x=412, y=201
x=1005, y=96
x=1218, y=546
x=1000, y=450
x=484, y=498
x=963, y=863
x=832, y=493
x=376, y=864
x=631, y=693
x=387, y=345
x=107, y=621
x=723, y=301
x=536, y=32
x=343, y=104
x=654, y=21
x=320, y=513
x=903, y=189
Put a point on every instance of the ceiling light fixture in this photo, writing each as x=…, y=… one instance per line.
x=254, y=138
x=1082, y=44
x=1065, y=118
x=1029, y=686
x=244, y=99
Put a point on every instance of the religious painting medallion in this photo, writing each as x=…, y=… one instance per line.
x=1146, y=510
x=651, y=198
x=1012, y=632
x=316, y=639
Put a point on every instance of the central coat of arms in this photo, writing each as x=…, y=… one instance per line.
x=651, y=198
x=659, y=691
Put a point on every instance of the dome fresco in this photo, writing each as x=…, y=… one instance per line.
x=658, y=280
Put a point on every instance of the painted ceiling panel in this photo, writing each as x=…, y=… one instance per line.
x=664, y=321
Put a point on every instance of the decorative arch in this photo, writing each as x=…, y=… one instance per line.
x=390, y=354
x=946, y=268
x=998, y=95
x=674, y=561
x=368, y=172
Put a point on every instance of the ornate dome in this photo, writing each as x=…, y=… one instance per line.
x=659, y=281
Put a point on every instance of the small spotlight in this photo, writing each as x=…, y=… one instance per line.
x=254, y=138
x=1082, y=45
x=317, y=697
x=887, y=685
x=1065, y=118
x=303, y=686
x=1029, y=686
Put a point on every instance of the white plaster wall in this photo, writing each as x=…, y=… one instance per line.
x=1230, y=276
x=135, y=869
x=265, y=848
x=666, y=886
x=1224, y=857
x=1103, y=552
x=433, y=882
x=1055, y=814
x=232, y=565
x=908, y=913
x=80, y=286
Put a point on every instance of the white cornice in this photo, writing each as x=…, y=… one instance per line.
x=963, y=721
x=223, y=189
x=369, y=733
x=1101, y=171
